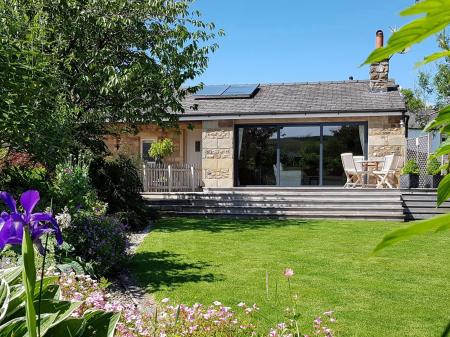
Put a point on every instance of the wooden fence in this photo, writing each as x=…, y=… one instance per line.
x=171, y=178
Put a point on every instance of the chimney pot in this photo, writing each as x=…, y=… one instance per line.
x=379, y=40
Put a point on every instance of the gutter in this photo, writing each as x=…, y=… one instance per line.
x=278, y=115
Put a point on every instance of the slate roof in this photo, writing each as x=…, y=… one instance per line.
x=291, y=98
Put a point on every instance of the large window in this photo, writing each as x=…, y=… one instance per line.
x=299, y=155
x=339, y=139
x=296, y=155
x=257, y=155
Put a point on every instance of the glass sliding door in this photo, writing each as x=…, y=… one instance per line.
x=339, y=139
x=257, y=155
x=296, y=155
x=299, y=156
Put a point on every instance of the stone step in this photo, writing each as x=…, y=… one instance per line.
x=425, y=210
x=431, y=204
x=281, y=204
x=260, y=197
x=312, y=208
x=387, y=216
x=418, y=216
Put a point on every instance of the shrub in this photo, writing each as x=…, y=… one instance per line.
x=161, y=149
x=71, y=187
x=433, y=166
x=99, y=240
x=19, y=174
x=411, y=167
x=118, y=183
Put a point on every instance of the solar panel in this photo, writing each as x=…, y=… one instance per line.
x=212, y=90
x=245, y=90
x=227, y=91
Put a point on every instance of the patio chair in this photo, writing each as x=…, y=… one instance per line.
x=383, y=176
x=351, y=171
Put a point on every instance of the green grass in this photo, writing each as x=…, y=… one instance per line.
x=403, y=291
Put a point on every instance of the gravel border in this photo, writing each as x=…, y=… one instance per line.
x=124, y=287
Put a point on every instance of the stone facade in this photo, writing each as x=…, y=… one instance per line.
x=386, y=136
x=379, y=73
x=217, y=154
x=130, y=144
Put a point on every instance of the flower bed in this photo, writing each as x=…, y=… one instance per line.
x=169, y=319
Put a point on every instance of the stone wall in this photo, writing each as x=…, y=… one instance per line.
x=130, y=144
x=386, y=136
x=217, y=153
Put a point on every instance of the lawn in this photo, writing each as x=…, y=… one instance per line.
x=403, y=291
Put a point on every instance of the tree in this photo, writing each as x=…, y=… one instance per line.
x=32, y=110
x=100, y=61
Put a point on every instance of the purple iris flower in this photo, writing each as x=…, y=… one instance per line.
x=12, y=224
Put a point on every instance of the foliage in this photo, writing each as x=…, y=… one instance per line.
x=67, y=68
x=57, y=315
x=99, y=240
x=19, y=178
x=161, y=149
x=410, y=167
x=170, y=319
x=433, y=166
x=71, y=187
x=117, y=182
x=416, y=105
x=32, y=105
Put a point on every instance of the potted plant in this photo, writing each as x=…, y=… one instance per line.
x=161, y=149
x=433, y=177
x=409, y=177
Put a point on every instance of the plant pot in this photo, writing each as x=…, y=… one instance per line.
x=409, y=181
x=432, y=181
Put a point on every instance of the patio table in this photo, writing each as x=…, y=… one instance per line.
x=368, y=166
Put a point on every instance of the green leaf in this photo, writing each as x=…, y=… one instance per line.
x=443, y=149
x=29, y=281
x=72, y=327
x=436, y=223
x=17, y=300
x=100, y=323
x=437, y=17
x=18, y=327
x=443, y=191
x=4, y=298
x=63, y=309
x=11, y=275
x=434, y=57
x=442, y=119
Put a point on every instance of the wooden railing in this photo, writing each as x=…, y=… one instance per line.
x=171, y=178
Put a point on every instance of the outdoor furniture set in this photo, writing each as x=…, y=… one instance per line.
x=361, y=172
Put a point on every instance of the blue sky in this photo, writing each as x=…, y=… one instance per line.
x=296, y=40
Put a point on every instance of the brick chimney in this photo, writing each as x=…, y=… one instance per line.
x=379, y=71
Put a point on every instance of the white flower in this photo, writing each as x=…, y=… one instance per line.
x=217, y=303
x=165, y=300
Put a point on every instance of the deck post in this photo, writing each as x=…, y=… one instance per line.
x=192, y=178
x=169, y=171
x=144, y=176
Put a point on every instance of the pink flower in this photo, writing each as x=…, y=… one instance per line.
x=288, y=272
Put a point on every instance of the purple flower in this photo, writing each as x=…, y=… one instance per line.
x=12, y=224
